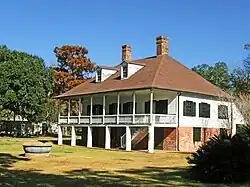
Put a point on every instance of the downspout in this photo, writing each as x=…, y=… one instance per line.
x=178, y=121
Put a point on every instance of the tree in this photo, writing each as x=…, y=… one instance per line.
x=241, y=76
x=217, y=74
x=73, y=67
x=25, y=84
x=242, y=102
x=224, y=158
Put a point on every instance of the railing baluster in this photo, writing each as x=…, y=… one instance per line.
x=123, y=118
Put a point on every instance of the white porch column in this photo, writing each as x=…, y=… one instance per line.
x=89, y=138
x=128, y=138
x=134, y=107
x=233, y=125
x=59, y=113
x=79, y=110
x=151, y=105
x=59, y=133
x=151, y=126
x=73, y=136
x=107, y=137
x=151, y=139
x=68, y=111
x=118, y=107
x=103, y=109
x=91, y=109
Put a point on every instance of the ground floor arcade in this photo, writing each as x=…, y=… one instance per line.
x=142, y=138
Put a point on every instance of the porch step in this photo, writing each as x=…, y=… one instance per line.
x=143, y=132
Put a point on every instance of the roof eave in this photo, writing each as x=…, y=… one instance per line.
x=134, y=89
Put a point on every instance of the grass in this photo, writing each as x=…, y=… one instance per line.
x=79, y=166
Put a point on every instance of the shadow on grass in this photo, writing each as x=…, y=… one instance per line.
x=65, y=142
x=149, y=176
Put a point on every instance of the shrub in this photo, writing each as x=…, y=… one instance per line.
x=224, y=158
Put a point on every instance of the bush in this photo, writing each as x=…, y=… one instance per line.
x=222, y=159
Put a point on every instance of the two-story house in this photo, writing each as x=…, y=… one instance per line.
x=154, y=102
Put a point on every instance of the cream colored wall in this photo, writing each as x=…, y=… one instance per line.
x=213, y=121
x=141, y=97
x=106, y=73
x=133, y=68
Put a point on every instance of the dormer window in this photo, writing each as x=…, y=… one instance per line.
x=98, y=74
x=104, y=72
x=124, y=71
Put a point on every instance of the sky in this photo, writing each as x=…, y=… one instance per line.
x=198, y=31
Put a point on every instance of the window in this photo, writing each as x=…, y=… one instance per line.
x=88, y=110
x=113, y=109
x=223, y=112
x=189, y=108
x=204, y=110
x=96, y=110
x=162, y=107
x=128, y=108
x=98, y=74
x=124, y=69
x=196, y=134
x=147, y=107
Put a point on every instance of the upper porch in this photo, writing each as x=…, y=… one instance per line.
x=138, y=107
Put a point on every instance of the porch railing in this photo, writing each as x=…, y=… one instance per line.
x=119, y=119
x=164, y=119
x=142, y=118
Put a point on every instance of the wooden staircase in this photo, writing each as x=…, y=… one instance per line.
x=143, y=132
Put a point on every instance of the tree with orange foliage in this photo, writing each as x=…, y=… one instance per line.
x=73, y=67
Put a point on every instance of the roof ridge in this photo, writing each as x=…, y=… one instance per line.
x=156, y=72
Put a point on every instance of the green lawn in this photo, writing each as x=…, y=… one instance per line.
x=79, y=166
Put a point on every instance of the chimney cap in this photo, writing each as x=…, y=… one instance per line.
x=161, y=38
x=126, y=46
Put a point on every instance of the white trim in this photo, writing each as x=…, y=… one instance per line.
x=134, y=99
x=151, y=105
x=79, y=110
x=118, y=107
x=91, y=108
x=69, y=111
x=59, y=113
x=103, y=109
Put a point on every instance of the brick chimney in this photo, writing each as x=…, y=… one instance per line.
x=161, y=45
x=126, y=53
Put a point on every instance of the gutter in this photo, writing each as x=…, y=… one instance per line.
x=61, y=96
